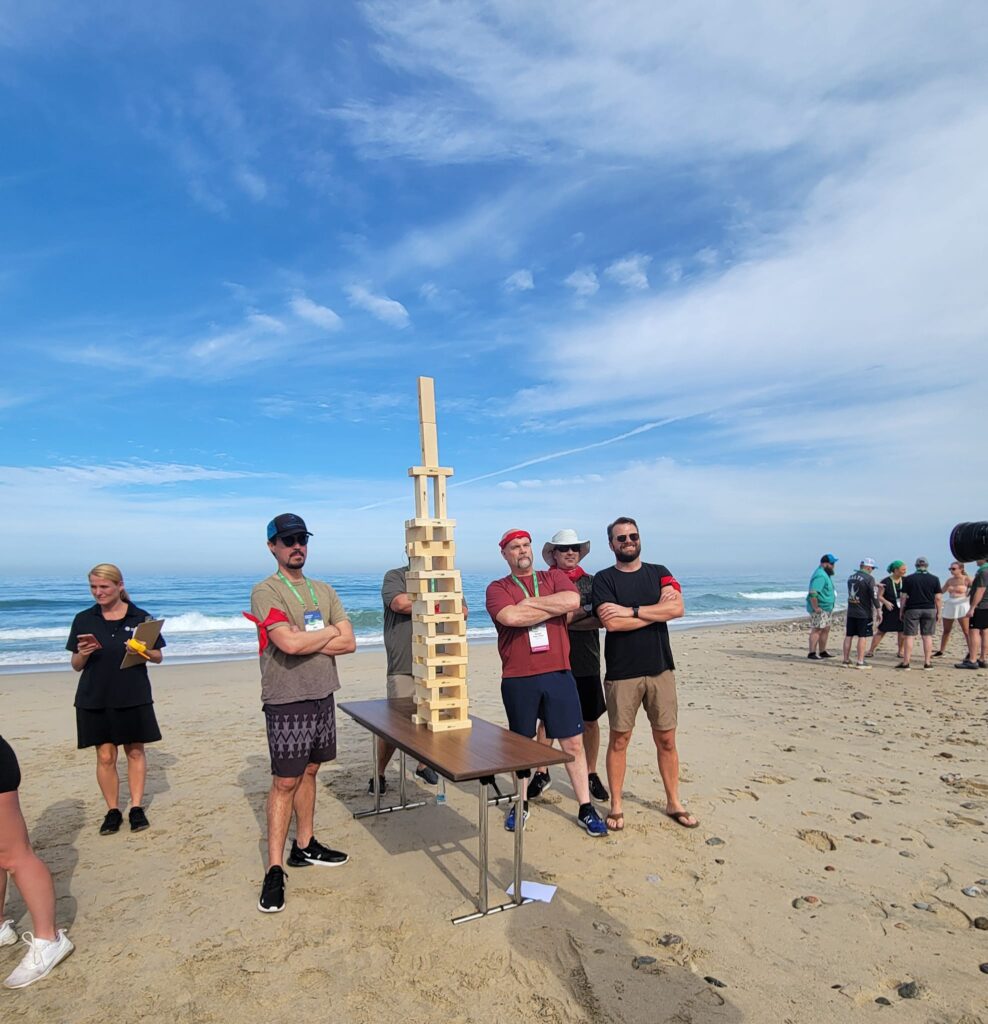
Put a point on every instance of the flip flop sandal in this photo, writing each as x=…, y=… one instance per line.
x=678, y=816
x=618, y=820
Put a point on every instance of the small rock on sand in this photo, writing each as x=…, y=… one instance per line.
x=882, y=1001
x=922, y=906
x=910, y=990
x=715, y=841
x=642, y=961
x=972, y=890
x=981, y=923
x=717, y=983
x=860, y=816
x=670, y=940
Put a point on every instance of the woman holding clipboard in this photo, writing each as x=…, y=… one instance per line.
x=113, y=705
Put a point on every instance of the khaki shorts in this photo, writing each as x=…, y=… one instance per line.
x=401, y=686
x=625, y=696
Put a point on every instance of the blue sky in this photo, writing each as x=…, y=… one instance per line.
x=720, y=267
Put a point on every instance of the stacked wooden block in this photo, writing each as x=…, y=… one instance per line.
x=439, y=631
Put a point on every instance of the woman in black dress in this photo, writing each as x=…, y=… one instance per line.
x=890, y=591
x=114, y=705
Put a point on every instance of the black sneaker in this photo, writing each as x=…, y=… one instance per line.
x=813, y=656
x=597, y=788
x=316, y=853
x=138, y=819
x=111, y=823
x=382, y=783
x=427, y=775
x=826, y=654
x=539, y=784
x=966, y=663
x=982, y=664
x=272, y=891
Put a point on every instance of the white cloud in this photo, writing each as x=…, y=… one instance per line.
x=322, y=316
x=388, y=311
x=583, y=282
x=631, y=271
x=519, y=281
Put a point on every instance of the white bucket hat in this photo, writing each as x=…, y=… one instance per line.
x=564, y=537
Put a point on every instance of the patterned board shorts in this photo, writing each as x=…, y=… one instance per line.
x=820, y=620
x=300, y=733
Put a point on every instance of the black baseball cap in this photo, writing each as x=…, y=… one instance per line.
x=289, y=523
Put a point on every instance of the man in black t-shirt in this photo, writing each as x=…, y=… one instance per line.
x=921, y=605
x=862, y=604
x=634, y=600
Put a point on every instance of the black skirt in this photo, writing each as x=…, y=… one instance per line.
x=116, y=725
x=10, y=772
x=891, y=622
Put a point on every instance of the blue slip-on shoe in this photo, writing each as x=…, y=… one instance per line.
x=592, y=822
x=509, y=821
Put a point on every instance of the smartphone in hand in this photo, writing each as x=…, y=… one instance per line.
x=88, y=638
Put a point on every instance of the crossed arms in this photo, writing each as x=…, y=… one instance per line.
x=618, y=618
x=329, y=640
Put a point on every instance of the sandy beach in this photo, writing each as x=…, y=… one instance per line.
x=867, y=791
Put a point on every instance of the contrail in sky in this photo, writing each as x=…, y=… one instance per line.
x=644, y=428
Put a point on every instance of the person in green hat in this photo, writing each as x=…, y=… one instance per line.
x=890, y=590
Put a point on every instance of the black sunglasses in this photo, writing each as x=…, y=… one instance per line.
x=567, y=547
x=622, y=537
x=301, y=539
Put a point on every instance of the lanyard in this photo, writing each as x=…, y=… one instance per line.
x=298, y=596
x=535, y=577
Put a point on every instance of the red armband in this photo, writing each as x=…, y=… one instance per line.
x=274, y=616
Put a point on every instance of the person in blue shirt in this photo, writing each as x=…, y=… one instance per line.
x=820, y=599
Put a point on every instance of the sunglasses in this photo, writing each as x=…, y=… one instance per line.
x=300, y=539
x=567, y=547
x=622, y=537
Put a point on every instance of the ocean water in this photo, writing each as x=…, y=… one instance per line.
x=204, y=620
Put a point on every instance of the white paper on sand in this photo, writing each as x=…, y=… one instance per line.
x=534, y=891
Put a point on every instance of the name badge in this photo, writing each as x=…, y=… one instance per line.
x=313, y=621
x=538, y=638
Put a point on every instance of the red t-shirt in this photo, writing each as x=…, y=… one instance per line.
x=517, y=657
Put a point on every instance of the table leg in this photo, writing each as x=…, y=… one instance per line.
x=401, y=778
x=374, y=775
x=482, y=852
x=519, y=838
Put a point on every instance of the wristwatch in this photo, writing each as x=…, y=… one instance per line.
x=634, y=610
x=588, y=608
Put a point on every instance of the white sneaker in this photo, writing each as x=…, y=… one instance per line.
x=7, y=934
x=42, y=955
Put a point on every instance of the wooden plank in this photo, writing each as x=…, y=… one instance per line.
x=455, y=626
x=439, y=672
x=439, y=496
x=427, y=421
x=437, y=604
x=428, y=521
x=431, y=471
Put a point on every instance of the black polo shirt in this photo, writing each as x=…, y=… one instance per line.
x=103, y=683
x=922, y=588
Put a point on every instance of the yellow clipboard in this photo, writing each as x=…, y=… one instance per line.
x=148, y=633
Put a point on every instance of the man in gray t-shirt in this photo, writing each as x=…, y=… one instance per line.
x=398, y=646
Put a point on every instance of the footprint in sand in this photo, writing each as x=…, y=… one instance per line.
x=822, y=841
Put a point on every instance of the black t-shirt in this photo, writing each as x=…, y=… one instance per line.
x=641, y=652
x=103, y=683
x=921, y=588
x=584, y=644
x=861, y=595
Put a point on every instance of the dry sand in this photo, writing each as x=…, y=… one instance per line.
x=868, y=791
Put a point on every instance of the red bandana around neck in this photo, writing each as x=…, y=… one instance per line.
x=575, y=573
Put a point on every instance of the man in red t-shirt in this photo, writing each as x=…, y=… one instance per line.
x=529, y=612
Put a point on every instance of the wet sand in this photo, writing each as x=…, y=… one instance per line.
x=865, y=790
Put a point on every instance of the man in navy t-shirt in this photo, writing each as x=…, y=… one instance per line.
x=634, y=600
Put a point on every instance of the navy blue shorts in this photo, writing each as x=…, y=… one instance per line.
x=551, y=696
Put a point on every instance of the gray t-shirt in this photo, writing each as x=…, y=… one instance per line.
x=397, y=627
x=981, y=580
x=287, y=678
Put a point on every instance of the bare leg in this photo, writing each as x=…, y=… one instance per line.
x=668, y=757
x=927, y=649
x=3, y=891
x=106, y=774
x=617, y=767
x=862, y=643
x=846, y=649
x=948, y=625
x=907, y=649
x=966, y=627
x=305, y=805
x=824, y=637
x=901, y=641
x=814, y=640
x=541, y=737
x=591, y=744
x=577, y=768
x=29, y=872
x=137, y=771
x=280, y=799
x=874, y=643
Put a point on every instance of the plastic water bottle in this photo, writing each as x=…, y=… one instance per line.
x=441, y=792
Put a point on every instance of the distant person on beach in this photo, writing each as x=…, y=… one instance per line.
x=820, y=600
x=920, y=605
x=890, y=590
x=529, y=609
x=113, y=705
x=398, y=647
x=956, y=604
x=565, y=552
x=46, y=946
x=977, y=637
x=634, y=600
x=302, y=627
x=862, y=609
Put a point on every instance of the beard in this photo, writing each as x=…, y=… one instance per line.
x=623, y=555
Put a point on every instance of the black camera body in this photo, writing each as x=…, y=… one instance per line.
x=969, y=541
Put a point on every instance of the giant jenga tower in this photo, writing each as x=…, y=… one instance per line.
x=439, y=629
